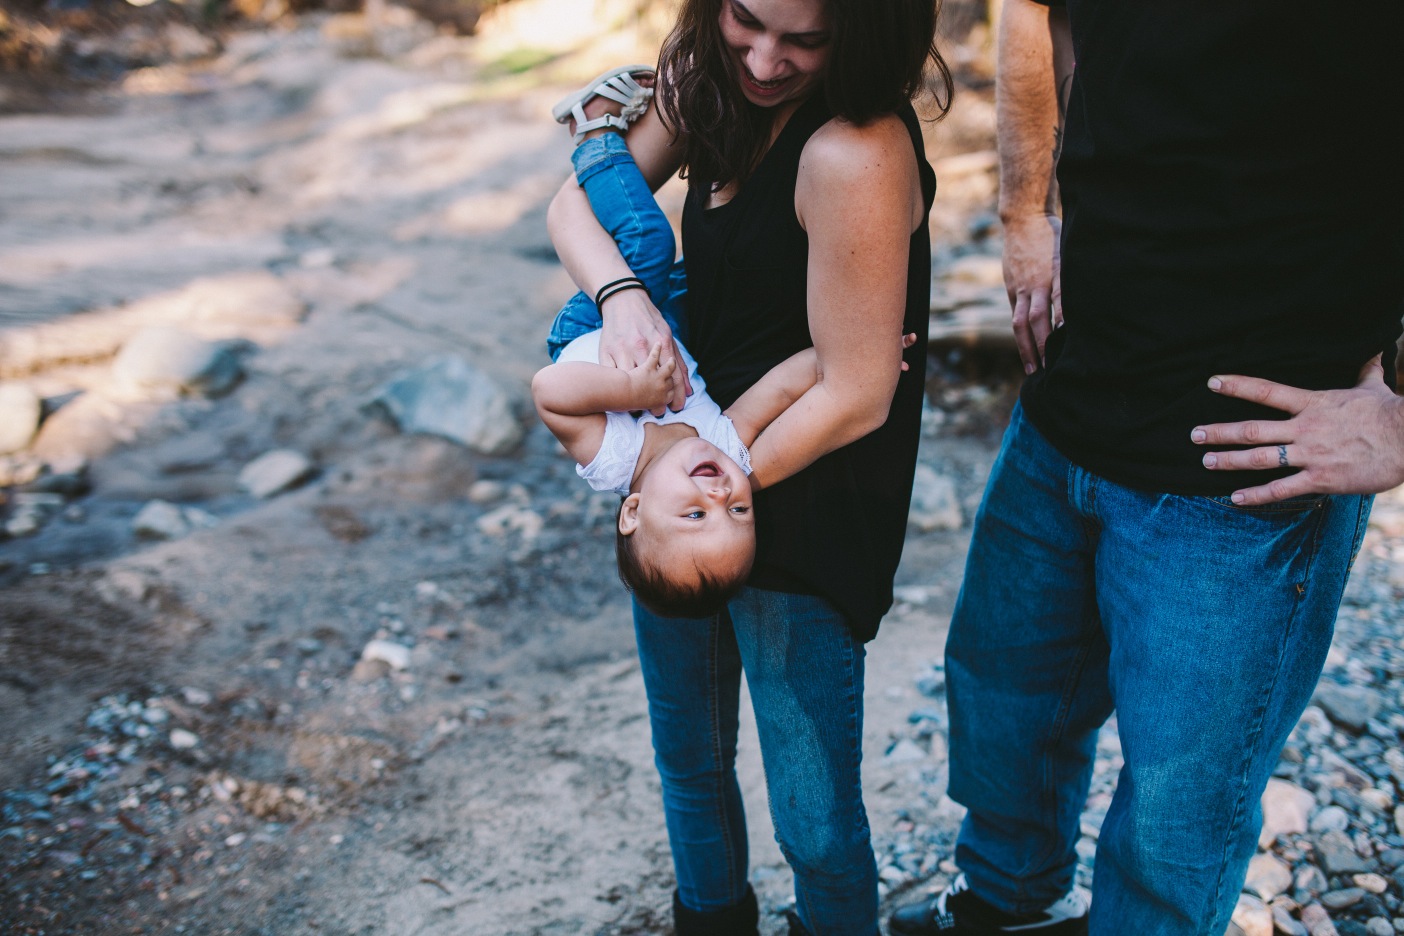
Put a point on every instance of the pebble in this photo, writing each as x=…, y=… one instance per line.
x=1373, y=883
x=1282, y=921
x=1329, y=819
x=1379, y=926
x=1286, y=808
x=275, y=472
x=1339, y=855
x=1340, y=899
x=160, y=519
x=1268, y=876
x=450, y=398
x=1351, y=707
x=394, y=655
x=183, y=740
x=1252, y=916
x=1317, y=921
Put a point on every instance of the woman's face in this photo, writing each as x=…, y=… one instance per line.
x=780, y=47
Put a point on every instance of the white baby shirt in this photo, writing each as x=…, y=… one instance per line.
x=613, y=468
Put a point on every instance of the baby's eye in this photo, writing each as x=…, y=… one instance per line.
x=740, y=509
x=695, y=515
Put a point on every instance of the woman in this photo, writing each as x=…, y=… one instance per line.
x=805, y=225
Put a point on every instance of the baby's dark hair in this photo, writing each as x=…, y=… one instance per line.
x=667, y=598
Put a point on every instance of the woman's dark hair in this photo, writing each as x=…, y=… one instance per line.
x=878, y=55
x=668, y=598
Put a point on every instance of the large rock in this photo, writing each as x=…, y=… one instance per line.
x=20, y=412
x=451, y=398
x=162, y=363
x=275, y=472
x=1286, y=808
x=935, y=505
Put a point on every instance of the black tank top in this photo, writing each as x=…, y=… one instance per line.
x=836, y=528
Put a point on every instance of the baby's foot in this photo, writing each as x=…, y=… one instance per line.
x=609, y=103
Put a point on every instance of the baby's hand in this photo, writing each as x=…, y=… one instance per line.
x=651, y=383
x=908, y=340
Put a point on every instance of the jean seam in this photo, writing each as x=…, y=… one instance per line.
x=1239, y=810
x=719, y=775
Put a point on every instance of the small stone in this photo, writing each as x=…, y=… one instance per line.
x=183, y=740
x=1267, y=876
x=162, y=363
x=1331, y=818
x=195, y=696
x=237, y=839
x=1379, y=801
x=1282, y=921
x=1371, y=882
x=1338, y=854
x=275, y=472
x=1379, y=926
x=905, y=751
x=367, y=671
x=935, y=505
x=1310, y=879
x=449, y=397
x=1340, y=899
x=1351, y=707
x=1399, y=819
x=1317, y=921
x=486, y=492
x=509, y=518
x=20, y=412
x=160, y=519
x=1252, y=916
x=394, y=655
x=1286, y=808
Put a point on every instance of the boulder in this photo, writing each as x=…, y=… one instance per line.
x=449, y=397
x=275, y=472
x=20, y=413
x=162, y=363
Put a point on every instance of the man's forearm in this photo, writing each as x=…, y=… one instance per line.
x=1035, y=67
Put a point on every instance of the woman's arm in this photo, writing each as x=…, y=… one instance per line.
x=859, y=198
x=778, y=390
x=632, y=324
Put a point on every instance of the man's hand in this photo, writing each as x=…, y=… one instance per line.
x=633, y=328
x=1343, y=441
x=651, y=383
x=1031, y=277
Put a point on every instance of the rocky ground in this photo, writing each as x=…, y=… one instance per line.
x=307, y=626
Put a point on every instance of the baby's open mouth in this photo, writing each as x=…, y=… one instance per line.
x=707, y=469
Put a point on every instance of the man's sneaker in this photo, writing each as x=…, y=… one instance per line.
x=956, y=911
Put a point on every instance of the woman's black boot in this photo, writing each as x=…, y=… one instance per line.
x=740, y=919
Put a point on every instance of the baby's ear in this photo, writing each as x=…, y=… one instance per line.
x=629, y=515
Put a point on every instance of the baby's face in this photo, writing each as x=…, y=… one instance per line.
x=695, y=508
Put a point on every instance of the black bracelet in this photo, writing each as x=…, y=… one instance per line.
x=622, y=287
x=609, y=289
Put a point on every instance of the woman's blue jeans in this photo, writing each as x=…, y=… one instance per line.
x=1204, y=625
x=624, y=206
x=804, y=670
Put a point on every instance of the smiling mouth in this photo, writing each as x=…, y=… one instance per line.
x=770, y=85
x=707, y=469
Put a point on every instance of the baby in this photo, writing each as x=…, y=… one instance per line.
x=686, y=534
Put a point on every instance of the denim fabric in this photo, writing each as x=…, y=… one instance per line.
x=624, y=206
x=804, y=671
x=1203, y=624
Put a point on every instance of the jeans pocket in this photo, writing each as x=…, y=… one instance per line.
x=1292, y=505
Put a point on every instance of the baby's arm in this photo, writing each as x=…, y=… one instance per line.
x=774, y=393
x=573, y=396
x=770, y=396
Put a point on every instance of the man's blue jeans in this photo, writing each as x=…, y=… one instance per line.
x=804, y=670
x=624, y=206
x=1204, y=625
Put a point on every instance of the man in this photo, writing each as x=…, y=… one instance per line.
x=1161, y=535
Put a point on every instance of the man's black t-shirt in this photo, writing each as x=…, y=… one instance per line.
x=1231, y=206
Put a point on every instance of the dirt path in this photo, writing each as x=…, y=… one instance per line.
x=192, y=742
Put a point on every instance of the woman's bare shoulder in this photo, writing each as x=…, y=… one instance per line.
x=845, y=163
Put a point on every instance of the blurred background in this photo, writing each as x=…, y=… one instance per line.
x=306, y=624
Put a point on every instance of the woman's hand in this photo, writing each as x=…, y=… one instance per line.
x=652, y=383
x=634, y=331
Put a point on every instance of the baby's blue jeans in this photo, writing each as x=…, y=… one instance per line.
x=1203, y=625
x=625, y=208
